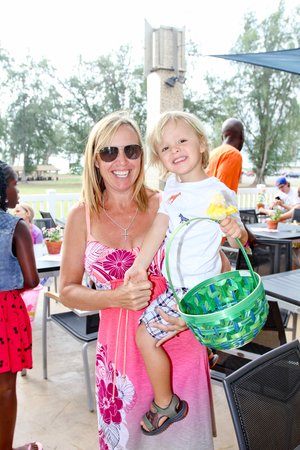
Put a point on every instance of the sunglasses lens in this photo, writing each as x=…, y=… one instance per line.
x=109, y=154
x=133, y=151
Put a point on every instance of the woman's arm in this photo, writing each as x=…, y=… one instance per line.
x=23, y=249
x=72, y=293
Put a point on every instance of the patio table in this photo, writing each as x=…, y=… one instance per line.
x=284, y=231
x=284, y=288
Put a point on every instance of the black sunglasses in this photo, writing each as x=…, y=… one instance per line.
x=109, y=154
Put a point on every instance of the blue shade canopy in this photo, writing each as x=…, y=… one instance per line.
x=285, y=60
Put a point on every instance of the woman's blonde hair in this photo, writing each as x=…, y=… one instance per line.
x=99, y=137
x=154, y=136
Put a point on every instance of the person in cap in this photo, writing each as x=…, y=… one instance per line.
x=286, y=199
x=286, y=196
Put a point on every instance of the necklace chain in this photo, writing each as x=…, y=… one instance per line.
x=125, y=230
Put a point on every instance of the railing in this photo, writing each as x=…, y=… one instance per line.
x=59, y=205
x=247, y=197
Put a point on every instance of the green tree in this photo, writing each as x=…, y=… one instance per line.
x=264, y=99
x=98, y=88
x=33, y=115
x=5, y=62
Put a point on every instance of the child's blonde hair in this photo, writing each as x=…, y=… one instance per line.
x=154, y=136
x=29, y=210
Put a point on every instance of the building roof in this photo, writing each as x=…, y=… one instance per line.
x=46, y=168
x=39, y=168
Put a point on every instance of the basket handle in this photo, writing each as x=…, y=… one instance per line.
x=168, y=248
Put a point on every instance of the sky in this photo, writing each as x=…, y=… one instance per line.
x=61, y=30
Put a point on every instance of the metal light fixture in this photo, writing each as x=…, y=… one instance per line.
x=172, y=81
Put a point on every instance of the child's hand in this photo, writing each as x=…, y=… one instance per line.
x=175, y=325
x=230, y=228
x=135, y=274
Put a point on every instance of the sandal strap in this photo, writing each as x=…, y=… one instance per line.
x=170, y=410
x=151, y=418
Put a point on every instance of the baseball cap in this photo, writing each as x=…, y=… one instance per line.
x=281, y=181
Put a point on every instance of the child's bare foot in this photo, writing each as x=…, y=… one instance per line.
x=31, y=446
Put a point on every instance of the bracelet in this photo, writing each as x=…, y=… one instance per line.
x=247, y=248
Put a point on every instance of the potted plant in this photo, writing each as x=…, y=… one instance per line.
x=261, y=197
x=53, y=239
x=274, y=219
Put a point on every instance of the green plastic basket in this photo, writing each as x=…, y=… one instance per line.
x=226, y=311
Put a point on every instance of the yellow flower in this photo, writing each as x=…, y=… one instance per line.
x=230, y=210
x=218, y=209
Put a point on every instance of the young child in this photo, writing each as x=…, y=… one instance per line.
x=17, y=272
x=178, y=143
x=26, y=213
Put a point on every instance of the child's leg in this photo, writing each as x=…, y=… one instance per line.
x=167, y=407
x=8, y=409
x=158, y=366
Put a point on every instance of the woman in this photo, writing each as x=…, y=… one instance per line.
x=102, y=237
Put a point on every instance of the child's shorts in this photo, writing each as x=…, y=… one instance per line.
x=165, y=302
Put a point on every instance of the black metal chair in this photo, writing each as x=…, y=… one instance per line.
x=43, y=223
x=268, y=256
x=248, y=216
x=83, y=328
x=296, y=215
x=264, y=399
x=48, y=215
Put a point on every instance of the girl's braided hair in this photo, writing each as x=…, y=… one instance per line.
x=6, y=173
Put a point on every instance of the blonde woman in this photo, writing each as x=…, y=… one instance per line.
x=103, y=235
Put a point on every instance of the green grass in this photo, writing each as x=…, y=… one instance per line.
x=64, y=185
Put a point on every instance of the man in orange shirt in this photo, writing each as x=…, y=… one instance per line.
x=225, y=162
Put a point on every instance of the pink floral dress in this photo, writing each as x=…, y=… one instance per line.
x=123, y=390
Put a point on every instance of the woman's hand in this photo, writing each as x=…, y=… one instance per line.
x=133, y=296
x=175, y=326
